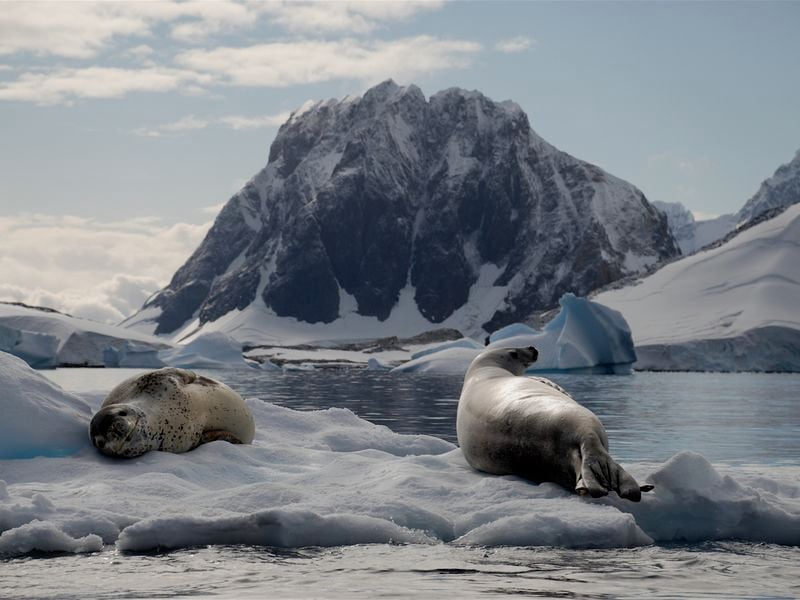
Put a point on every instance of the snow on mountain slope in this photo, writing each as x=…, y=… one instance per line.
x=390, y=209
x=732, y=307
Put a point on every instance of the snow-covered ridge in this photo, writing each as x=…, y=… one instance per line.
x=391, y=205
x=732, y=306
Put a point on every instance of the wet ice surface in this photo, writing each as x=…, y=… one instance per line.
x=750, y=423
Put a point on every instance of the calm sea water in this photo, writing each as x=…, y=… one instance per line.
x=747, y=421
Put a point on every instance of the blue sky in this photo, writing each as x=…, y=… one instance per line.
x=139, y=119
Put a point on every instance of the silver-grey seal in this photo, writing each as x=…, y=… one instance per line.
x=529, y=426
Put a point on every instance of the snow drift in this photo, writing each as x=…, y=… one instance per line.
x=330, y=478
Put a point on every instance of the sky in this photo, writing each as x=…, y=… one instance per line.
x=126, y=126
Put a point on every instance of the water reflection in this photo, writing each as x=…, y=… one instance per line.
x=732, y=418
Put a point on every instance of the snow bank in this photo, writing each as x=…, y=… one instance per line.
x=694, y=503
x=583, y=337
x=214, y=350
x=38, y=417
x=330, y=478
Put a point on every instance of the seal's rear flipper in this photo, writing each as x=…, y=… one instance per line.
x=599, y=474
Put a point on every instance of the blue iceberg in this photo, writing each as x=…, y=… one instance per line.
x=584, y=337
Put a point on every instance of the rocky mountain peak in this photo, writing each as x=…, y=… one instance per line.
x=388, y=204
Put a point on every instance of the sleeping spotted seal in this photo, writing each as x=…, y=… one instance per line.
x=172, y=410
x=529, y=426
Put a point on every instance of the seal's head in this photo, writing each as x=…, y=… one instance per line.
x=514, y=360
x=121, y=430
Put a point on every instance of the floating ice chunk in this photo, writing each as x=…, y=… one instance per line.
x=583, y=337
x=553, y=526
x=513, y=330
x=264, y=365
x=449, y=360
x=132, y=355
x=374, y=364
x=214, y=350
x=462, y=343
x=284, y=528
x=38, y=417
x=39, y=536
x=694, y=502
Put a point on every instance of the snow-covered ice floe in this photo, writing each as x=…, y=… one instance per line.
x=583, y=337
x=327, y=478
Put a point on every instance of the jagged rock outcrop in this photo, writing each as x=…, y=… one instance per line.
x=446, y=198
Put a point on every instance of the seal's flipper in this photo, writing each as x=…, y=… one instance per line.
x=212, y=435
x=647, y=487
x=600, y=474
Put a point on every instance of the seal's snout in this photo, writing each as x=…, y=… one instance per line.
x=111, y=427
x=534, y=353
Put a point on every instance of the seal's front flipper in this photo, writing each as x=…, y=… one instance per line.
x=212, y=435
x=647, y=487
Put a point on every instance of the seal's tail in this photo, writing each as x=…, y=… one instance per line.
x=600, y=474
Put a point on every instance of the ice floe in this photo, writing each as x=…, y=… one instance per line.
x=330, y=478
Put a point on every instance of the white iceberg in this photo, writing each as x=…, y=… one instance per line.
x=213, y=350
x=319, y=478
x=583, y=337
x=48, y=339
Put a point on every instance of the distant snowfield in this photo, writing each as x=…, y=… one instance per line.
x=328, y=478
x=733, y=307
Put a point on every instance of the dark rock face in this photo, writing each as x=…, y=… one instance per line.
x=367, y=196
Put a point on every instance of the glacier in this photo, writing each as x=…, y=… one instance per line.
x=730, y=307
x=583, y=337
x=327, y=477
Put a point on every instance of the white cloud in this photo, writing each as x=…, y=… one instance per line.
x=262, y=65
x=215, y=208
x=65, y=85
x=89, y=268
x=193, y=123
x=71, y=29
x=255, y=122
x=514, y=45
x=83, y=29
x=291, y=63
x=350, y=17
